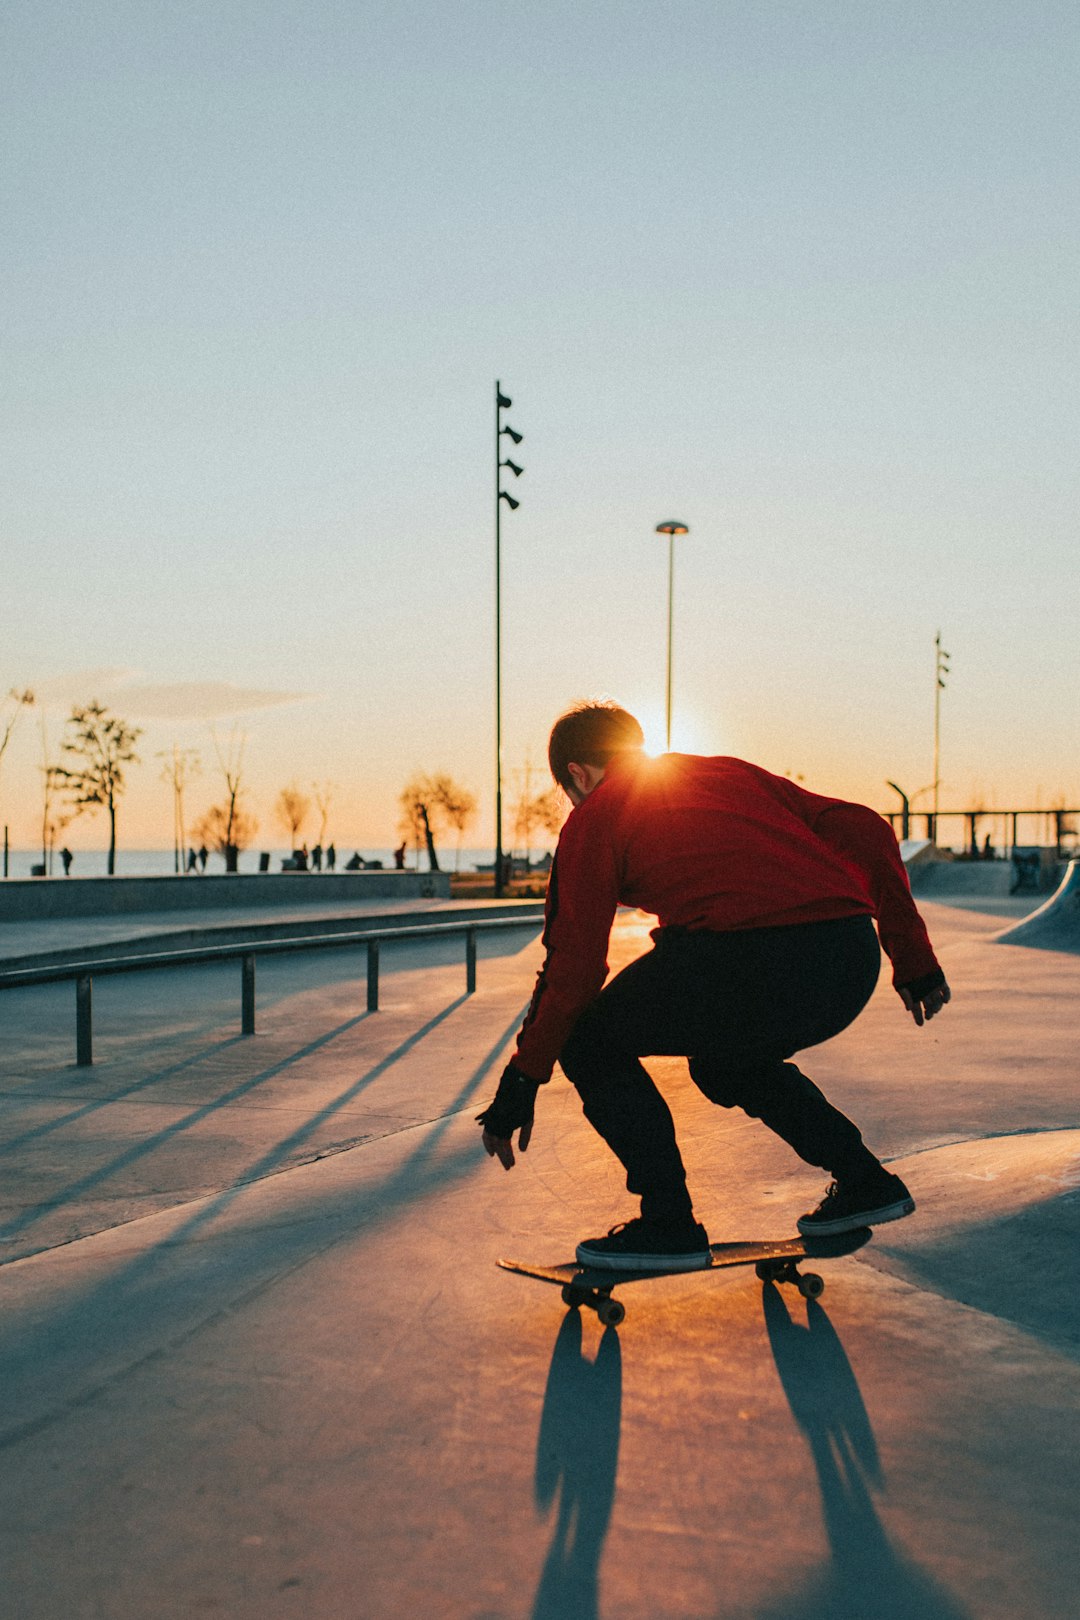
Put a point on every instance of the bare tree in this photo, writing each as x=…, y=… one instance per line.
x=226, y=828
x=292, y=809
x=10, y=710
x=51, y=825
x=458, y=808
x=14, y=703
x=430, y=804
x=181, y=765
x=103, y=744
x=231, y=764
x=543, y=811
x=419, y=817
x=324, y=796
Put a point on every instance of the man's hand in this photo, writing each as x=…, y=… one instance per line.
x=502, y=1147
x=924, y=1004
x=510, y=1110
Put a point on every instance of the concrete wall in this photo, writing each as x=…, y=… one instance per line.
x=930, y=878
x=22, y=899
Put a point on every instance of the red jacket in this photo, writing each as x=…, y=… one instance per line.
x=712, y=844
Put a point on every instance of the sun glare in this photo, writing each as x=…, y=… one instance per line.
x=688, y=734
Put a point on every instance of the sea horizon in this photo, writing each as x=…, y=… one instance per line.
x=91, y=863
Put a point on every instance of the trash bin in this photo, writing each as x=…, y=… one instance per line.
x=37, y=871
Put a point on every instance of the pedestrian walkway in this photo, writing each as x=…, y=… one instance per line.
x=30, y=943
x=281, y=1375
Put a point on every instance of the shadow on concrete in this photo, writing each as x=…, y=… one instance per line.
x=122, y=1094
x=577, y=1455
x=1012, y=1268
x=149, y=1144
x=56, y=1358
x=865, y=1575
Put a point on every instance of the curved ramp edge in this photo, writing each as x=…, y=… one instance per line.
x=1055, y=926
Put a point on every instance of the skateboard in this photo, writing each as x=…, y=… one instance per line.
x=774, y=1262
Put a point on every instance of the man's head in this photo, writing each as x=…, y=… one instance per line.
x=588, y=737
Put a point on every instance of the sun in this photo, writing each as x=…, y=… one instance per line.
x=688, y=734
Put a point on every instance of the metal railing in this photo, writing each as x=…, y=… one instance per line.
x=84, y=973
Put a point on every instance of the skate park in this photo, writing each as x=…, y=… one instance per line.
x=258, y=1358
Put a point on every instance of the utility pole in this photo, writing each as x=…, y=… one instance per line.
x=941, y=670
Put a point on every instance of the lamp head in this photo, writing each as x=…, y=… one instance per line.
x=509, y=499
x=671, y=527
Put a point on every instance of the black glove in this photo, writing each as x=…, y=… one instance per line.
x=919, y=989
x=512, y=1106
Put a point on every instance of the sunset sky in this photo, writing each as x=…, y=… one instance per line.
x=800, y=275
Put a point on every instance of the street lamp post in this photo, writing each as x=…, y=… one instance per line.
x=671, y=529
x=502, y=403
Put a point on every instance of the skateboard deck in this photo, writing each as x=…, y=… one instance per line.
x=775, y=1262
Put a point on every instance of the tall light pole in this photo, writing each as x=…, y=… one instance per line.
x=502, y=403
x=671, y=529
x=941, y=670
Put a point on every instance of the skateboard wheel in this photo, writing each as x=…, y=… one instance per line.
x=611, y=1312
x=811, y=1286
x=572, y=1296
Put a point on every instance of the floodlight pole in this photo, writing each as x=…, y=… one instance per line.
x=498, y=653
x=502, y=403
x=941, y=670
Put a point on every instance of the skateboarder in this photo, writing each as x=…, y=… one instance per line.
x=766, y=897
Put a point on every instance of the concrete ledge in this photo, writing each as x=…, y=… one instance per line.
x=25, y=899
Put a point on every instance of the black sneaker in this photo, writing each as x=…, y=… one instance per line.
x=869, y=1202
x=641, y=1245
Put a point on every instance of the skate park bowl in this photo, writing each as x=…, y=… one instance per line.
x=1055, y=926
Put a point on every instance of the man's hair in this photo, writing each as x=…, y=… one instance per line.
x=591, y=734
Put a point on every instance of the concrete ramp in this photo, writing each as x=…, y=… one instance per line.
x=1055, y=926
x=997, y=1225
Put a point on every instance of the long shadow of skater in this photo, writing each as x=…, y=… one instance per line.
x=866, y=1578
x=577, y=1454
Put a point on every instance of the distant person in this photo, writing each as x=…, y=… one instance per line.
x=204, y=854
x=67, y=857
x=766, y=897
x=331, y=857
x=988, y=849
x=316, y=858
x=399, y=857
x=192, y=861
x=354, y=863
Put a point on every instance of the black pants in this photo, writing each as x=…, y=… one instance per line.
x=738, y=1006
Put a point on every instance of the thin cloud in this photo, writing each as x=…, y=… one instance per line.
x=82, y=686
x=197, y=700
x=120, y=690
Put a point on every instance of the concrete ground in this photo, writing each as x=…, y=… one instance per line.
x=256, y=1358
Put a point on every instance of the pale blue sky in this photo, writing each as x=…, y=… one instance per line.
x=803, y=276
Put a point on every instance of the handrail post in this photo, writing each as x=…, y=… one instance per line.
x=372, y=975
x=247, y=995
x=84, y=1021
x=470, y=961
